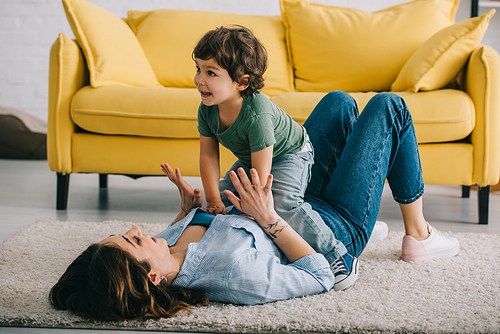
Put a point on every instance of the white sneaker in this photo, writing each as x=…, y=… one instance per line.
x=436, y=246
x=379, y=232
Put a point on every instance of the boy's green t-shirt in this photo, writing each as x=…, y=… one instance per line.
x=260, y=124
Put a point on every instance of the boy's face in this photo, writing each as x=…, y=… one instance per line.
x=214, y=84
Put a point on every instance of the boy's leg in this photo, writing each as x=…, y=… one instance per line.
x=226, y=184
x=291, y=174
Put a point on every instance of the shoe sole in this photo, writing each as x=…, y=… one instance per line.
x=445, y=253
x=350, y=279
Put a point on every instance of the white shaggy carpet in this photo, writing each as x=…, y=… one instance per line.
x=458, y=295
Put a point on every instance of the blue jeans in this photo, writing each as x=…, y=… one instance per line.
x=354, y=155
x=291, y=174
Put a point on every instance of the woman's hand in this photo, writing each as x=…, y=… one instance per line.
x=189, y=198
x=255, y=200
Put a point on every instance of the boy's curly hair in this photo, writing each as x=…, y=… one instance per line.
x=238, y=51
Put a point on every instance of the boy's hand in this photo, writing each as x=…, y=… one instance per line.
x=216, y=207
x=189, y=198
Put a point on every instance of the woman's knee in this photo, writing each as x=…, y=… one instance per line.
x=388, y=104
x=333, y=107
x=338, y=97
x=390, y=100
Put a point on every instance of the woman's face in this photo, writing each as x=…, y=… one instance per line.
x=142, y=247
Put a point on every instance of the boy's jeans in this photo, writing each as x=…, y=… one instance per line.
x=291, y=175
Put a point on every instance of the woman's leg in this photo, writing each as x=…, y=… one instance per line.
x=423, y=242
x=356, y=160
x=329, y=126
x=348, y=184
x=413, y=219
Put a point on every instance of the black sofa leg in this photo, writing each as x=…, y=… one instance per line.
x=465, y=191
x=103, y=180
x=62, y=191
x=483, y=199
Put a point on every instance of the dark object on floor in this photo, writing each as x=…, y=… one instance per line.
x=22, y=136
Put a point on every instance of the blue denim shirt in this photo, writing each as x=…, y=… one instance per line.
x=236, y=262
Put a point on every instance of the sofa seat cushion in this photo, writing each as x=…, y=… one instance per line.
x=439, y=116
x=137, y=111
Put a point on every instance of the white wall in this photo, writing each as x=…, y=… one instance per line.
x=29, y=27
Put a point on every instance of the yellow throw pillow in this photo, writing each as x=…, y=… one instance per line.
x=114, y=55
x=168, y=37
x=353, y=50
x=440, y=59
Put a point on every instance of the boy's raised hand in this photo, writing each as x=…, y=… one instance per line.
x=189, y=198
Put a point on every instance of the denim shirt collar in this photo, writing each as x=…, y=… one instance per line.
x=175, y=230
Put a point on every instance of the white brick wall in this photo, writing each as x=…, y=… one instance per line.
x=29, y=27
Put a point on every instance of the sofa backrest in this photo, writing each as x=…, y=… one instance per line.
x=335, y=48
x=312, y=47
x=168, y=38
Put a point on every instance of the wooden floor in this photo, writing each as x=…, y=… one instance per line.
x=28, y=194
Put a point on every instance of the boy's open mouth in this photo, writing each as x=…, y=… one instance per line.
x=205, y=94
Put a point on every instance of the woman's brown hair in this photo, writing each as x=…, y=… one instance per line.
x=238, y=51
x=107, y=283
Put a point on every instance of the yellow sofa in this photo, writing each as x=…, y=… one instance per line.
x=122, y=98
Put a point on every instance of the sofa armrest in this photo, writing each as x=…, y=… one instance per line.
x=482, y=83
x=67, y=74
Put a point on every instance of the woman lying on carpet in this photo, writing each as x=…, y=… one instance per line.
x=236, y=259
